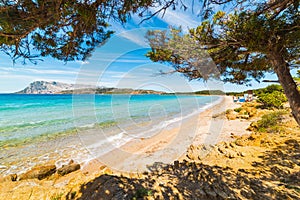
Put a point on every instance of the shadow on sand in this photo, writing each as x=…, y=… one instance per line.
x=272, y=178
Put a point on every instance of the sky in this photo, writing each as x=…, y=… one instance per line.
x=121, y=62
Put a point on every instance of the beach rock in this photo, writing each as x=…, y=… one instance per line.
x=176, y=164
x=66, y=169
x=232, y=145
x=242, y=154
x=3, y=167
x=231, y=115
x=243, y=116
x=241, y=142
x=11, y=177
x=221, y=149
x=253, y=126
x=39, y=172
x=231, y=154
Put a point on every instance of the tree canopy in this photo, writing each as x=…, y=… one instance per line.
x=70, y=30
x=244, y=44
x=65, y=30
x=238, y=42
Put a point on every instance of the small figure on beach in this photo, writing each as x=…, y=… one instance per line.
x=234, y=99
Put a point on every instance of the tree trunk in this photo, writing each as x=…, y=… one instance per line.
x=282, y=70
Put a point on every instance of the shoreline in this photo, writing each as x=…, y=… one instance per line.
x=63, y=146
x=94, y=171
x=173, y=142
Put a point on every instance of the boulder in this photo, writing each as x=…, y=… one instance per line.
x=39, y=172
x=176, y=164
x=66, y=169
x=241, y=142
x=230, y=114
x=11, y=177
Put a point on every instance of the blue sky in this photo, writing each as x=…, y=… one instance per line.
x=119, y=63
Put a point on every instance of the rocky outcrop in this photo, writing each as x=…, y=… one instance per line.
x=66, y=169
x=11, y=177
x=39, y=172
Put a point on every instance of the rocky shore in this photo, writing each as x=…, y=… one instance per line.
x=43, y=172
x=254, y=164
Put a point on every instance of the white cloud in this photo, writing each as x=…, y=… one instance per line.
x=180, y=18
x=133, y=60
x=136, y=36
x=82, y=62
x=38, y=71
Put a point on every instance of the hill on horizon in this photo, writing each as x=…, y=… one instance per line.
x=54, y=87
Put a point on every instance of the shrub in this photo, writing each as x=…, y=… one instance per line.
x=57, y=196
x=141, y=193
x=274, y=99
x=269, y=122
x=238, y=109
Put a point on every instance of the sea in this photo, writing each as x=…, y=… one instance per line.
x=36, y=128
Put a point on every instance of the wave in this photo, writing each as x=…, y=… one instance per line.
x=40, y=127
x=115, y=141
x=33, y=124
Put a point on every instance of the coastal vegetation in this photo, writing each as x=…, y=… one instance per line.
x=271, y=96
x=271, y=122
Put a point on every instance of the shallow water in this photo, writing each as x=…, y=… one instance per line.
x=39, y=128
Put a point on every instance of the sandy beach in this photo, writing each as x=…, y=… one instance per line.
x=207, y=151
x=172, y=142
x=165, y=145
x=133, y=158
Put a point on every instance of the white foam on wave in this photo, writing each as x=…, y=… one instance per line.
x=115, y=141
x=108, y=144
x=209, y=105
x=169, y=122
x=96, y=149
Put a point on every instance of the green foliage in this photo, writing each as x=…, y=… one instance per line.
x=238, y=109
x=239, y=44
x=141, y=193
x=235, y=93
x=268, y=89
x=272, y=100
x=210, y=92
x=269, y=122
x=245, y=44
x=273, y=88
x=70, y=30
x=57, y=196
x=272, y=96
x=65, y=30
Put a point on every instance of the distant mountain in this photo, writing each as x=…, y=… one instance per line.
x=44, y=87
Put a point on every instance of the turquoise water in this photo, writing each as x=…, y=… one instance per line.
x=36, y=129
x=23, y=117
